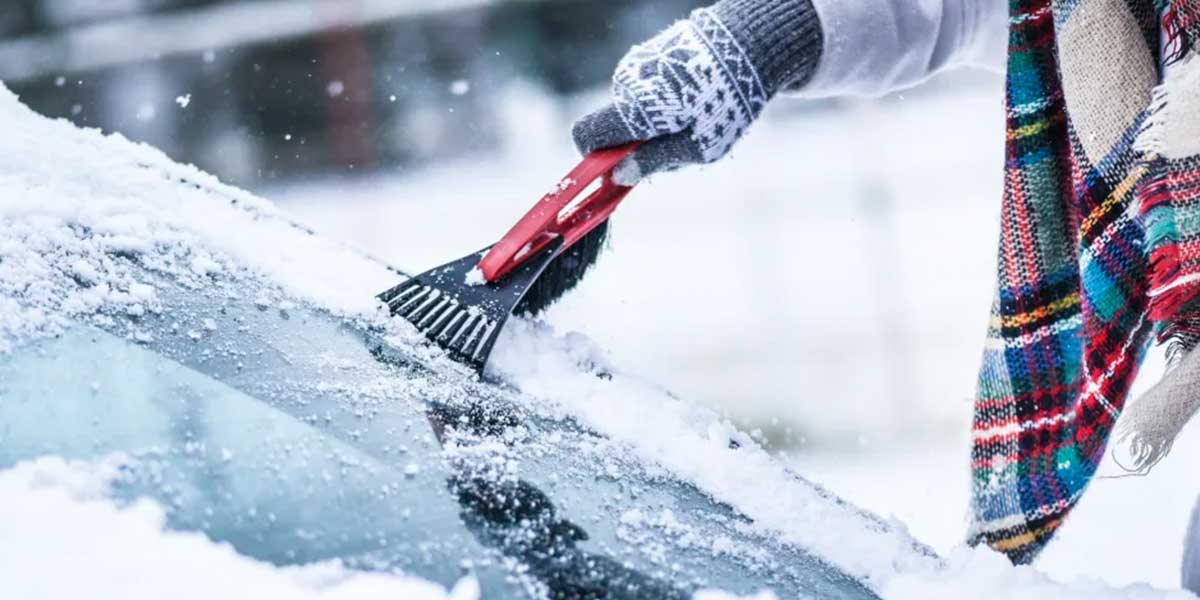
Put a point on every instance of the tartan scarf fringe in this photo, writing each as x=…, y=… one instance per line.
x=1168, y=290
x=1181, y=335
x=1170, y=286
x=1149, y=426
x=1180, y=21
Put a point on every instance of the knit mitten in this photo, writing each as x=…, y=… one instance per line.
x=693, y=90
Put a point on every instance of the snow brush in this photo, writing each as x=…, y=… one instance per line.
x=462, y=306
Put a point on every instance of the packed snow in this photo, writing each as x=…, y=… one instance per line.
x=695, y=443
x=59, y=226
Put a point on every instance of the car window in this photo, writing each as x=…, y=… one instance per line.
x=297, y=436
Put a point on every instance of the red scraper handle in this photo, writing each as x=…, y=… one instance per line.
x=570, y=210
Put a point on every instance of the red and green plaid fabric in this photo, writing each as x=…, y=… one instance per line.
x=1073, y=313
x=1171, y=198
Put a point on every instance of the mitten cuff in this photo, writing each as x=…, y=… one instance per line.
x=782, y=38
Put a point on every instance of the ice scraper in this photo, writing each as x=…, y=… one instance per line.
x=462, y=306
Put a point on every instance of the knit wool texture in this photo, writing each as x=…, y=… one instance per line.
x=1099, y=248
x=713, y=73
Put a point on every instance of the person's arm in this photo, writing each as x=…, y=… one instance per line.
x=692, y=91
x=872, y=47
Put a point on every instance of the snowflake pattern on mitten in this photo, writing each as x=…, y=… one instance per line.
x=694, y=75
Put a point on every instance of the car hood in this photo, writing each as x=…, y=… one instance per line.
x=73, y=202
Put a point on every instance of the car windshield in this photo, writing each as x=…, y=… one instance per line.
x=297, y=436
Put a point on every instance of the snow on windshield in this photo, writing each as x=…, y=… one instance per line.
x=126, y=553
x=72, y=199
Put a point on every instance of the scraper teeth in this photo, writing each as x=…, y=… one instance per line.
x=427, y=305
x=419, y=309
x=453, y=325
x=482, y=342
x=442, y=319
x=464, y=333
x=462, y=321
x=399, y=293
x=437, y=330
x=391, y=293
x=405, y=302
x=470, y=347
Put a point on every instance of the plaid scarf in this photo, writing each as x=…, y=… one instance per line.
x=1099, y=249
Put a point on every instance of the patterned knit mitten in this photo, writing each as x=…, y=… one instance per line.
x=693, y=90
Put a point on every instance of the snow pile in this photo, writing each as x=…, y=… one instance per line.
x=980, y=573
x=61, y=537
x=699, y=446
x=71, y=199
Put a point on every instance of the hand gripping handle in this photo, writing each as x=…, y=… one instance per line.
x=577, y=205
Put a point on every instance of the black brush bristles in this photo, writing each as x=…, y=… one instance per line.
x=563, y=273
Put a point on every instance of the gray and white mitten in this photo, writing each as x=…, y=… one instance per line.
x=693, y=90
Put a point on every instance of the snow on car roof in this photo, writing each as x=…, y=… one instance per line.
x=71, y=199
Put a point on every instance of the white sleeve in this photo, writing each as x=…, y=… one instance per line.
x=872, y=47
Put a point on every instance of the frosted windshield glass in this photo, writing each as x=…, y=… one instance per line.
x=298, y=436
x=277, y=488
